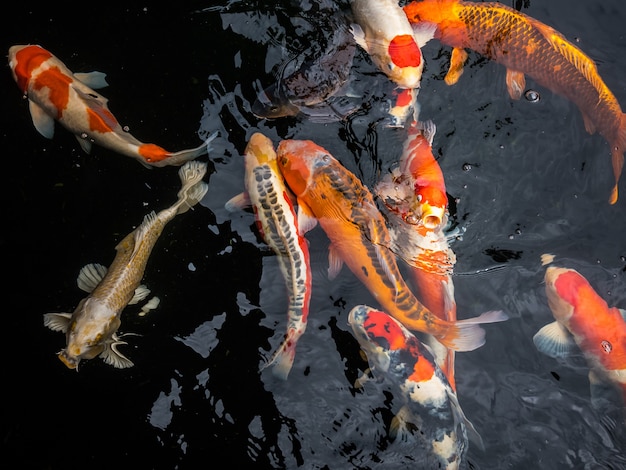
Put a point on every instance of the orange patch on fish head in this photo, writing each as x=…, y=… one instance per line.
x=294, y=164
x=24, y=60
x=561, y=289
x=153, y=153
x=404, y=51
x=379, y=325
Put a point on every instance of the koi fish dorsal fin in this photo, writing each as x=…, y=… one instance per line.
x=90, y=276
x=93, y=80
x=555, y=341
x=57, y=321
x=573, y=54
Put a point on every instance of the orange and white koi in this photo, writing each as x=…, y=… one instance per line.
x=55, y=93
x=403, y=107
x=383, y=31
x=584, y=322
x=92, y=329
x=525, y=46
x=415, y=195
x=330, y=194
x=277, y=223
x=430, y=408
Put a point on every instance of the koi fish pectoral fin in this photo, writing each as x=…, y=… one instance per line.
x=113, y=357
x=43, y=122
x=238, y=203
x=617, y=157
x=84, y=143
x=555, y=341
x=515, y=83
x=359, y=36
x=457, y=61
x=90, y=276
x=335, y=263
x=93, y=80
x=57, y=321
x=306, y=219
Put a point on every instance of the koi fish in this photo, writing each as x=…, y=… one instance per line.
x=330, y=194
x=430, y=407
x=414, y=195
x=309, y=89
x=277, y=223
x=55, y=93
x=584, y=322
x=92, y=329
x=383, y=31
x=402, y=107
x=525, y=46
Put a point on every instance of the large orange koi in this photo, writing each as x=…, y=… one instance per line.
x=584, y=322
x=329, y=193
x=525, y=46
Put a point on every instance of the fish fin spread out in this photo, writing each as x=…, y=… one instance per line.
x=179, y=158
x=93, y=80
x=467, y=335
x=617, y=156
x=239, y=202
x=423, y=32
x=547, y=258
x=428, y=129
x=42, y=121
x=515, y=83
x=112, y=356
x=403, y=424
x=57, y=321
x=472, y=433
x=85, y=144
x=193, y=188
x=90, y=276
x=335, y=262
x=306, y=219
x=555, y=341
x=359, y=36
x=141, y=292
x=363, y=379
x=457, y=61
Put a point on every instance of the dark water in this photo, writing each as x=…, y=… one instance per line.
x=524, y=178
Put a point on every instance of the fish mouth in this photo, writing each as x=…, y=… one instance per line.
x=70, y=362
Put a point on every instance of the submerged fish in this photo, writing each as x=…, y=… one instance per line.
x=92, y=329
x=277, y=222
x=381, y=28
x=430, y=409
x=329, y=193
x=584, y=322
x=55, y=93
x=525, y=46
x=322, y=74
x=414, y=194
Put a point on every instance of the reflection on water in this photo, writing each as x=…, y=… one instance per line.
x=523, y=178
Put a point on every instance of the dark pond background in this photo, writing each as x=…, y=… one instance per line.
x=524, y=179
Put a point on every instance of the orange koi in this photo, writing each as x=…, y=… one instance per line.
x=584, y=322
x=55, y=93
x=525, y=46
x=330, y=194
x=278, y=225
x=382, y=29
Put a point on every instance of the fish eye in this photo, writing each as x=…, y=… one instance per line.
x=326, y=158
x=606, y=346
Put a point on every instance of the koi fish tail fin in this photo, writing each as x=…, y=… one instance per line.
x=193, y=188
x=183, y=156
x=283, y=357
x=617, y=156
x=467, y=335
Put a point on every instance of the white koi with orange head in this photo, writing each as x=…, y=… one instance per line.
x=55, y=93
x=383, y=30
x=584, y=322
